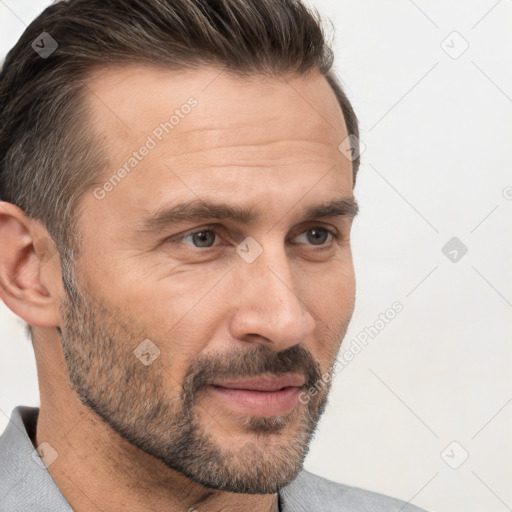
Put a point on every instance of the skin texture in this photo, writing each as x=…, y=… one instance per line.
x=131, y=436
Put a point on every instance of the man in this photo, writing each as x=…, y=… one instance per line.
x=175, y=231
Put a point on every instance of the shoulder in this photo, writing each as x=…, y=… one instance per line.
x=310, y=492
x=25, y=483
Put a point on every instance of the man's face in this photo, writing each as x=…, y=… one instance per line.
x=212, y=307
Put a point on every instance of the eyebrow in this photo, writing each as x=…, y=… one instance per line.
x=203, y=209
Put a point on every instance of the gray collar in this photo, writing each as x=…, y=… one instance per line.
x=25, y=483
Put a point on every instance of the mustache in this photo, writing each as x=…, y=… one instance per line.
x=249, y=362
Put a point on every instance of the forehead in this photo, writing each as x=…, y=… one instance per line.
x=130, y=101
x=240, y=132
x=157, y=87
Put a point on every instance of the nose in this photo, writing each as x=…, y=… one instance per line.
x=269, y=308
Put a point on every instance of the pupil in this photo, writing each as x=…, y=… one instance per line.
x=322, y=233
x=204, y=237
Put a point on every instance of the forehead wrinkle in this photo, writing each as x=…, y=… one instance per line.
x=129, y=132
x=205, y=140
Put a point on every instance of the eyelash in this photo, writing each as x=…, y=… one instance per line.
x=336, y=236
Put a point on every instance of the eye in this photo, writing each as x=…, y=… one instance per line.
x=318, y=235
x=205, y=238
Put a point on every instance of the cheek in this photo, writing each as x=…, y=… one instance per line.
x=346, y=280
x=167, y=299
x=331, y=290
x=173, y=312
x=347, y=286
x=330, y=297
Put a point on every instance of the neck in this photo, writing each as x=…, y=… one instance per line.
x=96, y=469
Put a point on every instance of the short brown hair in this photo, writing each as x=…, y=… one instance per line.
x=48, y=157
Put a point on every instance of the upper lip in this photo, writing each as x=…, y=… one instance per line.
x=264, y=383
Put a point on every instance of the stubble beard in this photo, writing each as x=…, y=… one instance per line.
x=135, y=401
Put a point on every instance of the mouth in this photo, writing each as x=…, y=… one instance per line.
x=260, y=396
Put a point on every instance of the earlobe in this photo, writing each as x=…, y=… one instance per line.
x=26, y=255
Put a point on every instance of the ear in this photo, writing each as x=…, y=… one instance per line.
x=28, y=257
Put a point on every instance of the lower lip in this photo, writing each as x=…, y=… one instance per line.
x=258, y=403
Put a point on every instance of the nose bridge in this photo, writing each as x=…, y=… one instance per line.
x=274, y=274
x=269, y=305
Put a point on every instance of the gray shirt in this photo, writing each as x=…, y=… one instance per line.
x=27, y=486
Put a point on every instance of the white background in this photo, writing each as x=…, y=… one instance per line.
x=438, y=133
